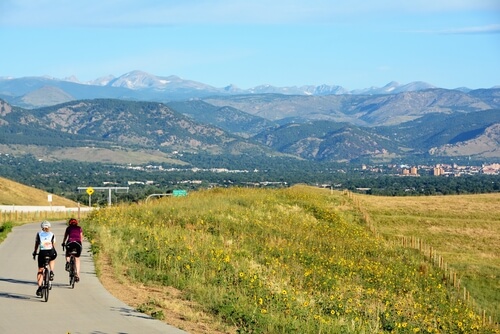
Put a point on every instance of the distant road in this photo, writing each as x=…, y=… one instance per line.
x=88, y=308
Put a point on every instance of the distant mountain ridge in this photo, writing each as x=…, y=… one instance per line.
x=361, y=110
x=348, y=130
x=142, y=86
x=112, y=123
x=141, y=111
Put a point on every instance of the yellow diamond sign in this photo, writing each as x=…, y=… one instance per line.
x=90, y=191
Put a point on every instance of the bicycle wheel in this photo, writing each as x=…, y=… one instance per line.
x=46, y=282
x=72, y=272
x=72, y=281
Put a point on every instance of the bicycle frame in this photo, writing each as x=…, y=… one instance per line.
x=72, y=269
x=46, y=283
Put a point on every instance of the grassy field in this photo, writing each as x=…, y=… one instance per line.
x=301, y=260
x=464, y=229
x=114, y=155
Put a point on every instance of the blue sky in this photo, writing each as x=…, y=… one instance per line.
x=352, y=43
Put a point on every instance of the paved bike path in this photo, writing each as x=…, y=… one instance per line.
x=88, y=308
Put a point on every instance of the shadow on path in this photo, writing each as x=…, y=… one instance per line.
x=19, y=296
x=15, y=296
x=17, y=281
x=131, y=313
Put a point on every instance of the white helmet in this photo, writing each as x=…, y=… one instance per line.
x=45, y=224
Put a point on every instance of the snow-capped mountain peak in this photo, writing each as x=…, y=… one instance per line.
x=138, y=80
x=72, y=79
x=102, y=81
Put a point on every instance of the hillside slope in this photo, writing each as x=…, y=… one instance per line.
x=13, y=193
x=126, y=129
x=291, y=260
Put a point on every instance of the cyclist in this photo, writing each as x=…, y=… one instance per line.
x=72, y=240
x=45, y=245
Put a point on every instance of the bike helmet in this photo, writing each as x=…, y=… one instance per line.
x=73, y=221
x=45, y=224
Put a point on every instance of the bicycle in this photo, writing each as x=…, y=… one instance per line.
x=71, y=268
x=46, y=283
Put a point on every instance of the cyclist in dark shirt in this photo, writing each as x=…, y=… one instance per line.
x=72, y=240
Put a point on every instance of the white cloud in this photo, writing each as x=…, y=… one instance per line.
x=487, y=29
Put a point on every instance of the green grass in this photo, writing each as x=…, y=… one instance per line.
x=5, y=228
x=294, y=260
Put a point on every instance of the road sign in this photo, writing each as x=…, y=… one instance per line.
x=177, y=193
x=90, y=191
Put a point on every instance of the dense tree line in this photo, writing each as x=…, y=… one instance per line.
x=426, y=185
x=64, y=177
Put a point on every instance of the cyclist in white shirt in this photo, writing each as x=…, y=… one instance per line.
x=45, y=245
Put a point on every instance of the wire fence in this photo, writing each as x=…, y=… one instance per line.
x=22, y=216
x=450, y=276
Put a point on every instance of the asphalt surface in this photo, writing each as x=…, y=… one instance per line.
x=88, y=308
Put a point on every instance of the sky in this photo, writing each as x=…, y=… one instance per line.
x=351, y=43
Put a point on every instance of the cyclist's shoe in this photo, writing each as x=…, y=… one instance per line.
x=77, y=279
x=51, y=276
x=39, y=291
x=67, y=266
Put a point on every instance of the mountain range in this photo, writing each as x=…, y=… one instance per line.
x=168, y=115
x=32, y=92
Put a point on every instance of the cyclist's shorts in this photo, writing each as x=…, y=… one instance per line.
x=74, y=246
x=52, y=253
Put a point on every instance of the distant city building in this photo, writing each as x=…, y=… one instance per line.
x=413, y=171
x=493, y=169
x=438, y=170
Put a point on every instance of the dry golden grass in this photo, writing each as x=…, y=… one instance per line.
x=463, y=226
x=464, y=229
x=115, y=155
x=13, y=193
